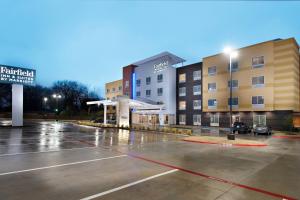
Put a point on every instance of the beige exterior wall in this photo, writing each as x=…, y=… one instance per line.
x=280, y=71
x=113, y=89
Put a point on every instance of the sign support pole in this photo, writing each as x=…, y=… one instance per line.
x=17, y=105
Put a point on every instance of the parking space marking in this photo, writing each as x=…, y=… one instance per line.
x=50, y=151
x=128, y=185
x=61, y=165
x=281, y=196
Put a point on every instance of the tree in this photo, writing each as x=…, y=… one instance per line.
x=5, y=97
x=72, y=94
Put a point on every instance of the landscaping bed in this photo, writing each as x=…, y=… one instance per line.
x=174, y=130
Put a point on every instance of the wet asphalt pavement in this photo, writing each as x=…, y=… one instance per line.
x=57, y=160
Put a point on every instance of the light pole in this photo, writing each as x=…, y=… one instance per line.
x=56, y=97
x=45, y=99
x=232, y=55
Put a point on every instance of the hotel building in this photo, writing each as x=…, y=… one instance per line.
x=153, y=81
x=189, y=94
x=265, y=83
x=113, y=90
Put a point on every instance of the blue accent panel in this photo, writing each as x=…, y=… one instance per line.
x=133, y=81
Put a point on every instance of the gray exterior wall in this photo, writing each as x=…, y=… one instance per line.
x=168, y=84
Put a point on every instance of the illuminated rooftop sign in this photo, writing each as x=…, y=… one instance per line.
x=161, y=66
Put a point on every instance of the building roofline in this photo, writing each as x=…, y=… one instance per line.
x=175, y=59
x=274, y=40
x=114, y=81
x=190, y=65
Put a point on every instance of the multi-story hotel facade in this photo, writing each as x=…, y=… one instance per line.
x=113, y=90
x=189, y=94
x=153, y=81
x=265, y=83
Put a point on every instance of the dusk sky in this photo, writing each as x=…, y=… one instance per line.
x=91, y=40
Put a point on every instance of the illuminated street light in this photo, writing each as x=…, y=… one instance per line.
x=232, y=55
x=45, y=99
x=56, y=97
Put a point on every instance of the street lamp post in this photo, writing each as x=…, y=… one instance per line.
x=45, y=103
x=232, y=54
x=56, y=97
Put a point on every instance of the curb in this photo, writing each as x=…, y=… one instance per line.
x=225, y=144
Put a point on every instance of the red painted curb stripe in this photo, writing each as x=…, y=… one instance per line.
x=239, y=145
x=286, y=136
x=215, y=178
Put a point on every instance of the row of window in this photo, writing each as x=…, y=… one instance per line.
x=257, y=81
x=148, y=80
x=114, y=89
x=196, y=105
x=148, y=92
x=196, y=76
x=196, y=90
x=257, y=62
x=196, y=119
x=256, y=100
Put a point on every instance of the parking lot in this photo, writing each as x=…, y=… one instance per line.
x=60, y=160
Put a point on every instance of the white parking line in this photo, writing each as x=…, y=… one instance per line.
x=128, y=185
x=61, y=165
x=36, y=152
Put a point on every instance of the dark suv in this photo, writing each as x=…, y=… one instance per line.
x=241, y=127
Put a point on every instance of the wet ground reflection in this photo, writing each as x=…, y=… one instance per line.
x=51, y=135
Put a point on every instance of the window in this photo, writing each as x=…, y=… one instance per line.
x=148, y=80
x=159, y=78
x=197, y=75
x=182, y=119
x=120, y=88
x=138, y=82
x=235, y=84
x=182, y=105
x=148, y=93
x=126, y=94
x=182, y=91
x=235, y=101
x=258, y=100
x=234, y=66
x=258, y=61
x=114, y=89
x=107, y=90
x=197, y=120
x=258, y=81
x=197, y=104
x=182, y=78
x=214, y=120
x=197, y=89
x=126, y=84
x=212, y=87
x=212, y=70
x=138, y=93
x=159, y=91
x=259, y=120
x=212, y=103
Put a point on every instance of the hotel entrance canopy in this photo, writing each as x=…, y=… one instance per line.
x=124, y=105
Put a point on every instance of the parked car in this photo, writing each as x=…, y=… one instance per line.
x=241, y=127
x=262, y=129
